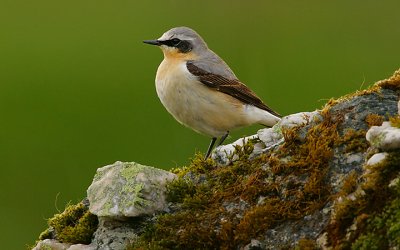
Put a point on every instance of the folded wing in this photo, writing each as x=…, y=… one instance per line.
x=232, y=87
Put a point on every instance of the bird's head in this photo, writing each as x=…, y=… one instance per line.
x=180, y=42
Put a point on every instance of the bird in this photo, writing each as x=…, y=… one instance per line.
x=200, y=90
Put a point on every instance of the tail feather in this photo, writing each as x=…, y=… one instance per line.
x=261, y=116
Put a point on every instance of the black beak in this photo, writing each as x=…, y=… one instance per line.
x=152, y=42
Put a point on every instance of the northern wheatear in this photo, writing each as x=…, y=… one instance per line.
x=200, y=90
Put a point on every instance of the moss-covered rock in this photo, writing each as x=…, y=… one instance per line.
x=312, y=181
x=75, y=225
x=291, y=195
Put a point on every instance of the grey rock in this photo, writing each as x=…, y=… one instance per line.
x=254, y=245
x=116, y=234
x=351, y=113
x=287, y=234
x=127, y=190
x=398, y=107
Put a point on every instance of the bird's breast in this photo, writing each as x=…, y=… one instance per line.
x=193, y=104
x=177, y=88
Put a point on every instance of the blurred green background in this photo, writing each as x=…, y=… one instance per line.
x=77, y=83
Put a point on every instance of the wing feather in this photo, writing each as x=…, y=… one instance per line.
x=232, y=87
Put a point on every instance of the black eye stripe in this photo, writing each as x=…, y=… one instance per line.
x=175, y=41
x=183, y=45
x=172, y=42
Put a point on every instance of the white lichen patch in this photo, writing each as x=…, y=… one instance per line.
x=299, y=120
x=224, y=154
x=128, y=190
x=377, y=158
x=48, y=244
x=270, y=136
x=398, y=107
x=51, y=244
x=384, y=137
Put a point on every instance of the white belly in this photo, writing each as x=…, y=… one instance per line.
x=195, y=105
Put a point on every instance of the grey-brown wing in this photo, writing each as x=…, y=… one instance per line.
x=232, y=87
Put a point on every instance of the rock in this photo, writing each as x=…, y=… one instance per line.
x=270, y=136
x=398, y=107
x=82, y=247
x=309, y=183
x=384, y=137
x=128, y=190
x=287, y=233
x=302, y=121
x=377, y=158
x=51, y=244
x=115, y=234
x=222, y=154
x=352, y=112
x=254, y=245
x=56, y=245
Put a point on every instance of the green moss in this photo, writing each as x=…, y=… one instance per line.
x=395, y=121
x=179, y=189
x=374, y=120
x=354, y=141
x=46, y=234
x=383, y=228
x=75, y=225
x=392, y=83
x=306, y=244
x=373, y=209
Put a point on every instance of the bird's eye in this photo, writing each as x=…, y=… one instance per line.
x=175, y=41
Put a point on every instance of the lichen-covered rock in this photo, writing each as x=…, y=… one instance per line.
x=377, y=158
x=268, y=138
x=384, y=137
x=302, y=121
x=225, y=154
x=128, y=190
x=271, y=136
x=49, y=244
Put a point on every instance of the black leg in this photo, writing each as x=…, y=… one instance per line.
x=223, y=138
x=210, y=147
